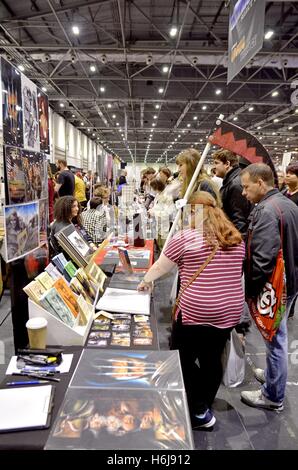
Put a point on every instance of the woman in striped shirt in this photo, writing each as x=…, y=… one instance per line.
x=210, y=306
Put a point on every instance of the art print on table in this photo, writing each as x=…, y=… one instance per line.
x=15, y=177
x=12, y=111
x=21, y=229
x=43, y=109
x=30, y=115
x=122, y=419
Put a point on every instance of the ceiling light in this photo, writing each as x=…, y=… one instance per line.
x=275, y=148
x=288, y=139
x=261, y=138
x=165, y=69
x=88, y=130
x=61, y=105
x=21, y=68
x=204, y=107
x=76, y=30
x=273, y=133
x=290, y=128
x=93, y=135
x=44, y=89
x=235, y=118
x=179, y=136
x=153, y=124
x=274, y=93
x=275, y=142
x=175, y=140
x=82, y=123
x=117, y=124
x=183, y=131
x=276, y=120
x=195, y=118
x=154, y=117
x=102, y=89
x=188, y=125
x=109, y=105
x=161, y=90
x=218, y=91
x=73, y=116
x=173, y=31
x=269, y=34
x=201, y=140
x=92, y=68
x=157, y=106
x=251, y=108
x=296, y=110
x=114, y=116
x=259, y=127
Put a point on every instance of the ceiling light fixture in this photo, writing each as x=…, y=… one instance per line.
x=251, y=108
x=157, y=106
x=44, y=89
x=155, y=116
x=76, y=30
x=92, y=68
x=188, y=125
x=204, y=107
x=61, y=105
x=114, y=116
x=276, y=120
x=269, y=34
x=195, y=118
x=274, y=93
x=73, y=116
x=109, y=105
x=235, y=118
x=102, y=89
x=21, y=68
x=82, y=123
x=165, y=69
x=173, y=31
x=218, y=91
x=161, y=90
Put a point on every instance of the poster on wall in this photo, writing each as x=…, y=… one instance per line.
x=30, y=115
x=21, y=229
x=43, y=109
x=43, y=220
x=12, y=114
x=15, y=177
x=35, y=174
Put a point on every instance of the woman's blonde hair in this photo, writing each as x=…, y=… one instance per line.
x=217, y=228
x=191, y=158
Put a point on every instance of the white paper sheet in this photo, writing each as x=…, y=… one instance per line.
x=25, y=407
x=125, y=301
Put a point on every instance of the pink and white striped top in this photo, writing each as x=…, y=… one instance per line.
x=216, y=297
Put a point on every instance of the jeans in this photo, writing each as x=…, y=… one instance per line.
x=200, y=348
x=276, y=371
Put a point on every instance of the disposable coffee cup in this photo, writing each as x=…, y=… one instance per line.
x=37, y=332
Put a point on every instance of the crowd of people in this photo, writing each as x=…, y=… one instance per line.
x=225, y=249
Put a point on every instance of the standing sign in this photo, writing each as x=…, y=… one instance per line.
x=246, y=33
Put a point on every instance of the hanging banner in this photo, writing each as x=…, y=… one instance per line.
x=246, y=33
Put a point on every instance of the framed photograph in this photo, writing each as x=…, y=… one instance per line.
x=12, y=107
x=21, y=229
x=30, y=115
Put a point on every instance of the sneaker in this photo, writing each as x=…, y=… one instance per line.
x=256, y=399
x=260, y=375
x=206, y=420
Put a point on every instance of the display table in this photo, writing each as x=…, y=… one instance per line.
x=102, y=259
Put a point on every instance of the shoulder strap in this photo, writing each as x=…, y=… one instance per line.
x=195, y=275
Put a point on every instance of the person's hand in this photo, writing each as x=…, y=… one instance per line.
x=145, y=286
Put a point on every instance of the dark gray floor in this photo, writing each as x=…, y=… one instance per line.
x=238, y=426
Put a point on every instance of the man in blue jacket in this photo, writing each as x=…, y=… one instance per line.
x=272, y=214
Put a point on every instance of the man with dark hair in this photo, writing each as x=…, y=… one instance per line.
x=95, y=221
x=292, y=182
x=65, y=185
x=273, y=221
x=235, y=205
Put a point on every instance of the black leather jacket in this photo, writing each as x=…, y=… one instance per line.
x=263, y=242
x=235, y=206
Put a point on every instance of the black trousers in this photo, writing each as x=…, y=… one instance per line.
x=200, y=349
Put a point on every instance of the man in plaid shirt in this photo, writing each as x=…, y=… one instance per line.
x=95, y=221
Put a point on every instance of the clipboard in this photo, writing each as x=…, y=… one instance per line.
x=26, y=408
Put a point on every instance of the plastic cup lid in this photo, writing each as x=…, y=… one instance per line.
x=36, y=323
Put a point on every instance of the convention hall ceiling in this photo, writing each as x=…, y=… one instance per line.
x=127, y=80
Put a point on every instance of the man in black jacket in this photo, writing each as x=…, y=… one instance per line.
x=273, y=221
x=235, y=205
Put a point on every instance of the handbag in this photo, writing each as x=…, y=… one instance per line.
x=193, y=277
x=233, y=361
x=269, y=307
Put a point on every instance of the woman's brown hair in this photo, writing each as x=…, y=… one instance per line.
x=62, y=210
x=191, y=158
x=217, y=228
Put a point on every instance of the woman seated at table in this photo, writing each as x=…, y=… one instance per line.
x=67, y=212
x=210, y=306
